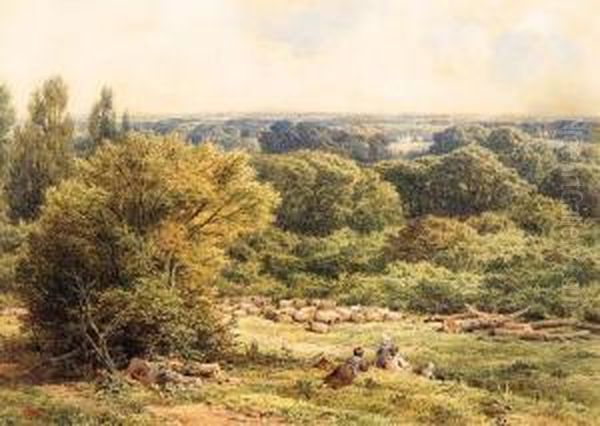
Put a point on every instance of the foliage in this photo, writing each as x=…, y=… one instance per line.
x=126, y=125
x=227, y=136
x=284, y=136
x=470, y=181
x=41, y=152
x=541, y=215
x=457, y=137
x=550, y=277
x=282, y=264
x=467, y=181
x=411, y=180
x=12, y=236
x=7, y=119
x=420, y=287
x=532, y=159
x=322, y=193
x=122, y=258
x=425, y=239
x=577, y=185
x=102, y=122
x=490, y=223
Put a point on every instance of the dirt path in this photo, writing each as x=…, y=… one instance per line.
x=200, y=414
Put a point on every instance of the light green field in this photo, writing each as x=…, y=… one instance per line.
x=486, y=381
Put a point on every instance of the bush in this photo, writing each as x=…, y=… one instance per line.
x=552, y=278
x=532, y=159
x=367, y=290
x=426, y=288
x=323, y=193
x=577, y=185
x=12, y=237
x=122, y=259
x=426, y=238
x=590, y=309
x=420, y=287
x=281, y=264
x=541, y=215
x=490, y=223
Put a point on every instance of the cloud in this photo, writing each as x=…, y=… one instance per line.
x=186, y=56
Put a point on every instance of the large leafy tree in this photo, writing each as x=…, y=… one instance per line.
x=467, y=181
x=7, y=119
x=472, y=180
x=322, y=193
x=411, y=180
x=125, y=252
x=41, y=153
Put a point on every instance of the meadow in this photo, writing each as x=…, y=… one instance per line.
x=482, y=381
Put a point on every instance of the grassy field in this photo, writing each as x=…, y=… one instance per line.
x=486, y=381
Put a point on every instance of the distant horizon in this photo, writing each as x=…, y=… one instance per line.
x=285, y=114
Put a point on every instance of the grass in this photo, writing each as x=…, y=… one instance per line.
x=527, y=383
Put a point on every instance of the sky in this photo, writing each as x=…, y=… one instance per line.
x=356, y=56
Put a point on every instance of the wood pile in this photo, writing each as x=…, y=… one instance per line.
x=175, y=372
x=512, y=325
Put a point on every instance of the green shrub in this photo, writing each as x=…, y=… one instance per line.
x=367, y=290
x=124, y=255
x=426, y=288
x=541, y=215
x=426, y=238
x=11, y=239
x=279, y=263
x=420, y=287
x=490, y=223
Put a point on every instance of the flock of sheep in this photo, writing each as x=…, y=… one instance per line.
x=316, y=315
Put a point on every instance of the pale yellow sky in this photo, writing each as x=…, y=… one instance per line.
x=389, y=56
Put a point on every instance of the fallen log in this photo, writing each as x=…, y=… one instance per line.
x=553, y=323
x=540, y=335
x=442, y=318
x=468, y=326
x=512, y=325
x=594, y=328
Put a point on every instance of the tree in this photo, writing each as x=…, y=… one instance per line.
x=532, y=159
x=577, y=185
x=125, y=253
x=7, y=119
x=102, y=123
x=126, y=126
x=470, y=181
x=322, y=193
x=457, y=137
x=41, y=154
x=359, y=144
x=410, y=178
x=467, y=181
